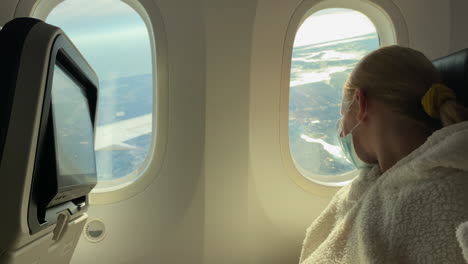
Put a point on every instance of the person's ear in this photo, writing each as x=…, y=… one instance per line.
x=361, y=100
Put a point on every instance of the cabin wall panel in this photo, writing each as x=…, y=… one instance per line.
x=228, y=26
x=428, y=25
x=459, y=23
x=7, y=9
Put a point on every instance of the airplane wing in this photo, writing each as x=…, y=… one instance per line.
x=113, y=136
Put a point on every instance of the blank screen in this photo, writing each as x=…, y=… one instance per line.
x=73, y=129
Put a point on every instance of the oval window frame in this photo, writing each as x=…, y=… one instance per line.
x=137, y=181
x=391, y=29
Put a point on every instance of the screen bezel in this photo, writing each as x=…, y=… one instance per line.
x=46, y=194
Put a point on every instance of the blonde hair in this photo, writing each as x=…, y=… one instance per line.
x=400, y=77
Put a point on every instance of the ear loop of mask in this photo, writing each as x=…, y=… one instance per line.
x=347, y=111
x=347, y=145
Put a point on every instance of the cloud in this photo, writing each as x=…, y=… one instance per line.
x=331, y=26
x=332, y=149
x=113, y=36
x=316, y=75
x=110, y=34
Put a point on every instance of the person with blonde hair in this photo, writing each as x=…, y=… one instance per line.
x=408, y=134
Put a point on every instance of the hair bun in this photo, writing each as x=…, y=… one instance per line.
x=437, y=94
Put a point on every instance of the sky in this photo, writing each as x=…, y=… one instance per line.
x=110, y=34
x=332, y=24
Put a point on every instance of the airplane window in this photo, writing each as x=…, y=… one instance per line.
x=115, y=41
x=327, y=46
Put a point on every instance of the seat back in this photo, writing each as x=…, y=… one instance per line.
x=42, y=212
x=454, y=73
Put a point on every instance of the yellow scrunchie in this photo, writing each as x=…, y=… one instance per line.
x=435, y=97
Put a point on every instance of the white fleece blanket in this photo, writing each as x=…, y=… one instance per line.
x=409, y=214
x=462, y=235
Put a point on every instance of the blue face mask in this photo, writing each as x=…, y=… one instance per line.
x=347, y=145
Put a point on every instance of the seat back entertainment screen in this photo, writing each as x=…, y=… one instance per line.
x=73, y=131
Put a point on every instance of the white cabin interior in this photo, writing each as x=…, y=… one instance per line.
x=220, y=185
